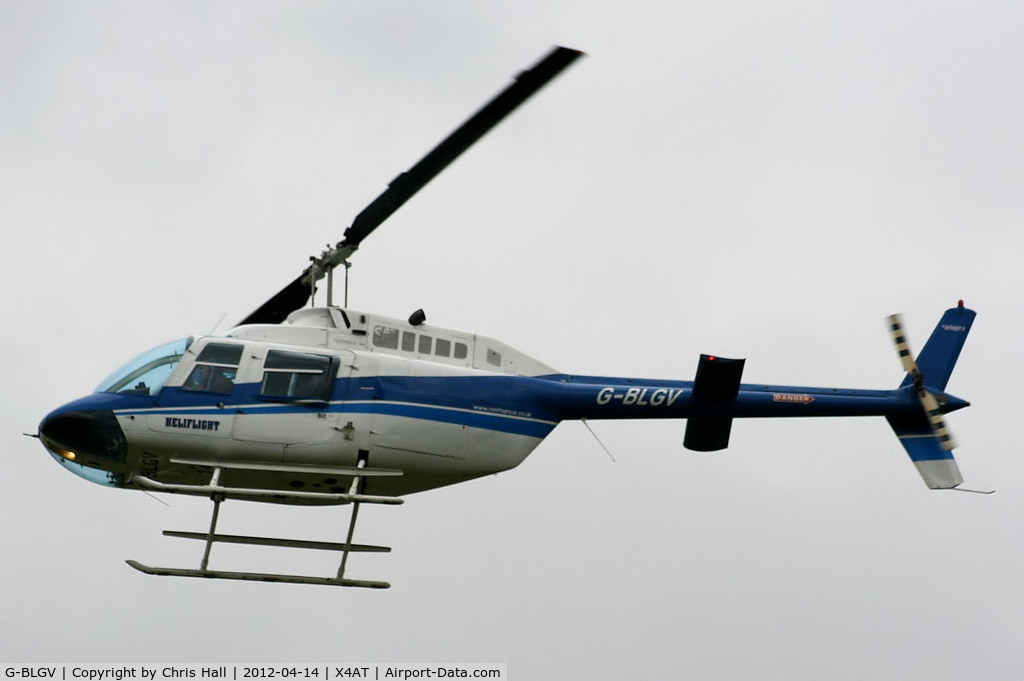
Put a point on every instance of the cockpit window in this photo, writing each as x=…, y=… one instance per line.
x=215, y=370
x=148, y=372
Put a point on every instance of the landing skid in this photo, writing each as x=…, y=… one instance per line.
x=218, y=493
x=256, y=576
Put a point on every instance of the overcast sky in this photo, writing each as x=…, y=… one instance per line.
x=759, y=180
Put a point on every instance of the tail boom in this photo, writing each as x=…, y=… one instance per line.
x=716, y=397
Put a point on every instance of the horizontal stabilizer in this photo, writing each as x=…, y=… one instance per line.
x=718, y=378
x=707, y=434
x=717, y=381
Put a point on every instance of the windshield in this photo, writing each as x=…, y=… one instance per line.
x=148, y=372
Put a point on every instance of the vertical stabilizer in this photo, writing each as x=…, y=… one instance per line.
x=940, y=353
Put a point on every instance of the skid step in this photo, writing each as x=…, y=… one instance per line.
x=355, y=471
x=234, y=492
x=273, y=541
x=256, y=576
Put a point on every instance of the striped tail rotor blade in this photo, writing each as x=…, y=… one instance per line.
x=931, y=407
x=895, y=322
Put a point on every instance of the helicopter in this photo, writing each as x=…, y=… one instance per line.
x=335, y=406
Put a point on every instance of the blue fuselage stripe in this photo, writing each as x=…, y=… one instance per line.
x=530, y=406
x=471, y=403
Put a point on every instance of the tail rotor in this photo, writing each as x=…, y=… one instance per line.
x=924, y=435
x=928, y=400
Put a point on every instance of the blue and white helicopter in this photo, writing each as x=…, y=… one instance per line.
x=329, y=405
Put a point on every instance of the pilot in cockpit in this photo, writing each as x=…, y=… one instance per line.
x=198, y=379
x=213, y=379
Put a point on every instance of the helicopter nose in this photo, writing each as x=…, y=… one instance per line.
x=91, y=438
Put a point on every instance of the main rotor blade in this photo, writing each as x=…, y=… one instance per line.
x=283, y=303
x=402, y=188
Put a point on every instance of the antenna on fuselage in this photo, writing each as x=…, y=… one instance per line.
x=606, y=450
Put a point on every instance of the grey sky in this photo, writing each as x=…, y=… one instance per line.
x=756, y=180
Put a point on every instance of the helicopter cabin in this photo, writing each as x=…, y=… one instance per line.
x=335, y=328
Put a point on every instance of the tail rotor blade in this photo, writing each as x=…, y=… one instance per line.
x=934, y=411
x=895, y=322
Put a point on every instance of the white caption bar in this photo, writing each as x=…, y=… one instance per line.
x=253, y=672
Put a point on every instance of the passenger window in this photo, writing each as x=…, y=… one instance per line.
x=425, y=343
x=443, y=348
x=297, y=376
x=461, y=351
x=493, y=357
x=215, y=370
x=385, y=337
x=408, y=341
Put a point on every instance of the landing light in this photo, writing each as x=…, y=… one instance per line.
x=64, y=453
x=57, y=450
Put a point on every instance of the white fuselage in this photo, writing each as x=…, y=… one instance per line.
x=383, y=401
